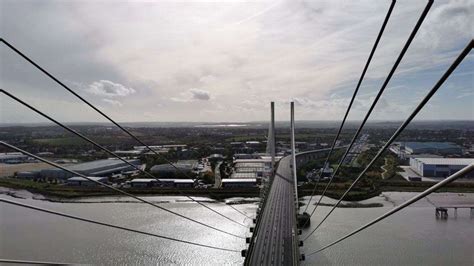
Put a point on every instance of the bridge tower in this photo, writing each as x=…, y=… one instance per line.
x=271, y=137
x=293, y=154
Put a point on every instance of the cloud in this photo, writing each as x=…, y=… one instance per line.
x=193, y=95
x=243, y=53
x=113, y=102
x=109, y=89
x=200, y=94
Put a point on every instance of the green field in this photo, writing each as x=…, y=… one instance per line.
x=73, y=141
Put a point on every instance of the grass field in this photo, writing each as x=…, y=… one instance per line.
x=73, y=141
x=10, y=169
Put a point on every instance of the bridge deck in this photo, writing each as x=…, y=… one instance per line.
x=276, y=241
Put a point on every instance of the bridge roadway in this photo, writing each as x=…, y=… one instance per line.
x=276, y=238
x=275, y=241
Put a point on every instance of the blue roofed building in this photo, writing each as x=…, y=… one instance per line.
x=432, y=147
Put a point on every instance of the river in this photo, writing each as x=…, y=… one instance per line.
x=410, y=237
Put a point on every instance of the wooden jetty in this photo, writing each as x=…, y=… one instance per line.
x=442, y=211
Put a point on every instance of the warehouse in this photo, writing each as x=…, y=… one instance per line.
x=106, y=167
x=81, y=181
x=239, y=183
x=13, y=157
x=181, y=169
x=179, y=183
x=430, y=148
x=143, y=182
x=440, y=167
x=184, y=183
x=244, y=175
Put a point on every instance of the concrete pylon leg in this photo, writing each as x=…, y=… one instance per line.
x=293, y=153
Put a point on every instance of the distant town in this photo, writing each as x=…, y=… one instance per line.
x=230, y=160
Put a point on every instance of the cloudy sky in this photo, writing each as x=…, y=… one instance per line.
x=226, y=60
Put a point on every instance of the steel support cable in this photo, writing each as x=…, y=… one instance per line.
x=116, y=189
x=420, y=106
x=379, y=94
x=34, y=262
x=107, y=150
x=102, y=113
x=372, y=52
x=423, y=194
x=111, y=225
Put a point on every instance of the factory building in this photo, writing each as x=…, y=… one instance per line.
x=239, y=175
x=105, y=167
x=143, y=182
x=29, y=175
x=184, y=183
x=176, y=147
x=215, y=157
x=239, y=183
x=439, y=167
x=13, y=157
x=443, y=148
x=163, y=182
x=181, y=169
x=249, y=168
x=81, y=181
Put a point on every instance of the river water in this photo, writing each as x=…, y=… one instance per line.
x=410, y=237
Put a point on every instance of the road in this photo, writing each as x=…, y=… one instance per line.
x=217, y=176
x=384, y=169
x=276, y=239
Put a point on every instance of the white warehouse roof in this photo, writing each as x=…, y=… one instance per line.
x=446, y=161
x=246, y=180
x=184, y=181
x=143, y=180
x=80, y=178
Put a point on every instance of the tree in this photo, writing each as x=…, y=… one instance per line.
x=208, y=177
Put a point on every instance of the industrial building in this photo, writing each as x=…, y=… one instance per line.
x=215, y=157
x=13, y=157
x=163, y=182
x=81, y=181
x=184, y=183
x=244, y=156
x=403, y=149
x=158, y=148
x=439, y=167
x=257, y=168
x=181, y=169
x=166, y=182
x=143, y=182
x=251, y=168
x=238, y=175
x=239, y=183
x=106, y=167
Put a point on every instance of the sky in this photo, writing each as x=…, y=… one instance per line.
x=225, y=61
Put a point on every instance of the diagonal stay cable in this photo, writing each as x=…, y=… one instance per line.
x=107, y=150
x=115, y=189
x=34, y=262
x=423, y=194
x=420, y=106
x=382, y=89
x=102, y=113
x=372, y=52
x=111, y=225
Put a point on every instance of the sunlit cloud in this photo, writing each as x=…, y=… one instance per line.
x=239, y=55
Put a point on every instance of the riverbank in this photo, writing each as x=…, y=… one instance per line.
x=61, y=192
x=336, y=190
x=354, y=205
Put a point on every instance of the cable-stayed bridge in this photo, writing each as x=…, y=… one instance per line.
x=276, y=238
